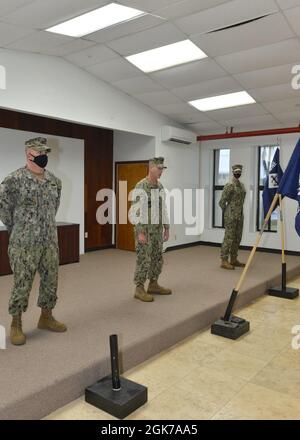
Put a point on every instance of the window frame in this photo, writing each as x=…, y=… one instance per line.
x=217, y=188
x=259, y=199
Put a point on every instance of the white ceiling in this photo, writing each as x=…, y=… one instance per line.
x=257, y=57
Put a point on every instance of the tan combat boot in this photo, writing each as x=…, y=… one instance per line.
x=226, y=265
x=155, y=288
x=142, y=295
x=48, y=322
x=17, y=336
x=235, y=262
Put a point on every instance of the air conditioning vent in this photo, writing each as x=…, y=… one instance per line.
x=178, y=135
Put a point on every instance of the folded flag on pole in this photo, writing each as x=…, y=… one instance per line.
x=289, y=185
x=272, y=182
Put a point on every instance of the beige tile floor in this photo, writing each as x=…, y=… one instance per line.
x=209, y=377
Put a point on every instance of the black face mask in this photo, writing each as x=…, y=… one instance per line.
x=41, y=160
x=237, y=175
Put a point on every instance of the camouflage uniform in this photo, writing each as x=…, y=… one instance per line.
x=231, y=203
x=149, y=256
x=28, y=207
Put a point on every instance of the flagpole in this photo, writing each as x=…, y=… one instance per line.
x=250, y=258
x=283, y=262
x=230, y=326
x=283, y=291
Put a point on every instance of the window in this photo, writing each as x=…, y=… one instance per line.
x=221, y=177
x=265, y=156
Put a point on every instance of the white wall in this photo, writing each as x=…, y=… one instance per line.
x=66, y=161
x=245, y=151
x=182, y=172
x=53, y=87
x=132, y=146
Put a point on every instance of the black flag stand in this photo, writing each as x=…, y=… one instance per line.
x=114, y=395
x=230, y=326
x=283, y=291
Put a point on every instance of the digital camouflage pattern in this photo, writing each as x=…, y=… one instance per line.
x=28, y=207
x=149, y=256
x=25, y=262
x=150, y=208
x=38, y=144
x=231, y=203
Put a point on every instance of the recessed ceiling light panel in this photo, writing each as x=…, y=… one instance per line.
x=93, y=21
x=167, y=56
x=222, y=101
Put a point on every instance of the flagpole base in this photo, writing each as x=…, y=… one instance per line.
x=118, y=403
x=287, y=293
x=234, y=328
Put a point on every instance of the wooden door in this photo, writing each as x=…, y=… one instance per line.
x=98, y=165
x=131, y=173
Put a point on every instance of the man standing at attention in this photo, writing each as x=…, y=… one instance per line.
x=150, y=232
x=231, y=203
x=29, y=200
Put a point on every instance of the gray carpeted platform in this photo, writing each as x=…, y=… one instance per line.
x=96, y=300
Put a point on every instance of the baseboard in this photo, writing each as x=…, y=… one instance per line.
x=243, y=248
x=101, y=248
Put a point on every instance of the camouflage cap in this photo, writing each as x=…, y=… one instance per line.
x=159, y=161
x=237, y=168
x=38, y=144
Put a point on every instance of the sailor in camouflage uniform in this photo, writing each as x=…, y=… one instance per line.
x=29, y=200
x=231, y=203
x=151, y=231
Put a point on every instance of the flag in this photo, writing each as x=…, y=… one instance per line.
x=289, y=185
x=272, y=182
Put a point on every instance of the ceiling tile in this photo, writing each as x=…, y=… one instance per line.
x=286, y=4
x=66, y=49
x=257, y=126
x=10, y=33
x=92, y=55
x=158, y=98
x=250, y=120
x=284, y=105
x=225, y=14
x=186, y=7
x=138, y=85
x=114, y=70
x=41, y=14
x=242, y=111
x=147, y=5
x=39, y=41
x=127, y=28
x=273, y=93
x=207, y=126
x=208, y=88
x=7, y=6
x=158, y=36
x=190, y=73
x=258, y=33
x=283, y=52
x=293, y=17
x=291, y=118
x=172, y=109
x=266, y=77
x=192, y=117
